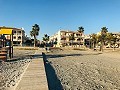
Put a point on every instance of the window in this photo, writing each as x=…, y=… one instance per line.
x=63, y=38
x=19, y=38
x=19, y=32
x=18, y=42
x=78, y=39
x=14, y=37
x=77, y=34
x=14, y=32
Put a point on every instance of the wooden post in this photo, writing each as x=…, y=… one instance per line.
x=12, y=44
x=10, y=47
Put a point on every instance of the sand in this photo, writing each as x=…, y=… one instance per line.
x=12, y=71
x=67, y=70
x=83, y=70
x=23, y=53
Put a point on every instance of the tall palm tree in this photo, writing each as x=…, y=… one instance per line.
x=46, y=38
x=81, y=31
x=55, y=42
x=63, y=38
x=94, y=39
x=104, y=30
x=35, y=32
x=71, y=38
x=102, y=38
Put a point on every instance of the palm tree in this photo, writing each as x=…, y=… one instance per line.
x=102, y=37
x=94, y=39
x=109, y=38
x=81, y=31
x=46, y=38
x=118, y=40
x=35, y=32
x=113, y=41
x=55, y=42
x=63, y=38
x=71, y=38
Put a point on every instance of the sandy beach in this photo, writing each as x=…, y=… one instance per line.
x=83, y=70
x=23, y=53
x=67, y=69
x=11, y=71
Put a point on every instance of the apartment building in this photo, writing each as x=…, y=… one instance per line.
x=63, y=38
x=18, y=35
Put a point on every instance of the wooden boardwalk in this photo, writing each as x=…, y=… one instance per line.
x=34, y=77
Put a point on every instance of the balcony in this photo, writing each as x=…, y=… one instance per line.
x=19, y=38
x=19, y=33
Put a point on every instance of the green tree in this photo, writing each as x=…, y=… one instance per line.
x=113, y=40
x=109, y=38
x=71, y=38
x=55, y=42
x=63, y=38
x=35, y=32
x=80, y=29
x=103, y=37
x=94, y=39
x=46, y=38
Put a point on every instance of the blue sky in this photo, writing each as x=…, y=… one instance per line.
x=52, y=15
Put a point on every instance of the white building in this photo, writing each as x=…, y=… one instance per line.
x=18, y=35
x=62, y=38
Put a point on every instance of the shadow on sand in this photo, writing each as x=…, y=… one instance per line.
x=25, y=57
x=63, y=55
x=67, y=55
x=53, y=81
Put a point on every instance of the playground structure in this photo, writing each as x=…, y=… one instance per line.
x=6, y=43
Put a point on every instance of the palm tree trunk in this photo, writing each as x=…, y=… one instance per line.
x=102, y=45
x=34, y=41
x=114, y=47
